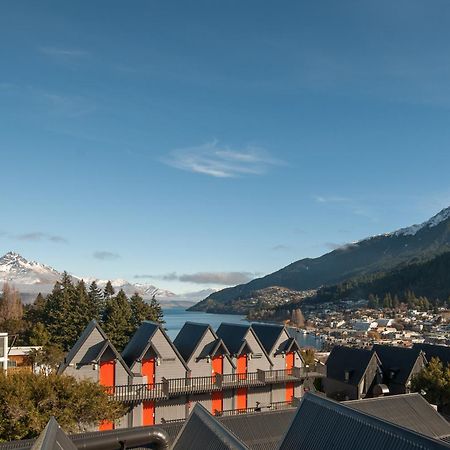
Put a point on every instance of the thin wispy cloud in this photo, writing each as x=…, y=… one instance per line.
x=221, y=161
x=39, y=236
x=280, y=247
x=105, y=255
x=60, y=52
x=221, y=278
x=331, y=199
x=343, y=246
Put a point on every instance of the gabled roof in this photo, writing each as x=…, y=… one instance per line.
x=397, y=363
x=323, y=424
x=95, y=351
x=212, y=348
x=189, y=337
x=347, y=359
x=141, y=342
x=268, y=334
x=234, y=335
x=202, y=431
x=53, y=437
x=411, y=411
x=434, y=351
x=289, y=345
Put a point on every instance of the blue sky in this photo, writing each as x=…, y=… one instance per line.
x=198, y=144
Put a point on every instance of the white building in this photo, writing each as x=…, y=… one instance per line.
x=4, y=351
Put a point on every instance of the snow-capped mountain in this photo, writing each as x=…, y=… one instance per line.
x=430, y=223
x=16, y=269
x=373, y=254
x=31, y=277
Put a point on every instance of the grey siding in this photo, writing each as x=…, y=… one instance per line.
x=258, y=394
x=85, y=371
x=170, y=364
x=174, y=408
x=203, y=399
x=259, y=359
x=203, y=368
x=279, y=362
x=278, y=393
x=228, y=399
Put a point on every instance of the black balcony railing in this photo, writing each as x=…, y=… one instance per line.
x=172, y=387
x=270, y=407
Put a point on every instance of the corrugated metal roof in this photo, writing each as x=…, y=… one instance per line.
x=202, y=431
x=434, y=351
x=411, y=411
x=347, y=359
x=233, y=335
x=139, y=342
x=53, y=438
x=260, y=431
x=397, y=363
x=323, y=424
x=189, y=337
x=268, y=334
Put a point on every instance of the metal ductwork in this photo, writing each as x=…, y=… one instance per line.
x=120, y=440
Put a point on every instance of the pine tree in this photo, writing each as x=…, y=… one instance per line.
x=108, y=291
x=61, y=319
x=118, y=323
x=97, y=301
x=140, y=310
x=157, y=310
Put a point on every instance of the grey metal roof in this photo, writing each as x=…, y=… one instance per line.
x=268, y=334
x=233, y=335
x=53, y=437
x=262, y=430
x=188, y=338
x=347, y=359
x=396, y=360
x=94, y=350
x=434, y=351
x=411, y=411
x=140, y=342
x=203, y=431
x=323, y=424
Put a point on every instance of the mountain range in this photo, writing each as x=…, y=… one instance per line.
x=31, y=277
x=370, y=255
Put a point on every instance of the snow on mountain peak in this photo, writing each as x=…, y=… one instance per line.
x=430, y=223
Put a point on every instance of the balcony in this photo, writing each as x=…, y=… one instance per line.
x=173, y=387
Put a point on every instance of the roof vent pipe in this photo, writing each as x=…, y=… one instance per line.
x=123, y=439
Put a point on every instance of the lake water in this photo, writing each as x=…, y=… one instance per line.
x=176, y=317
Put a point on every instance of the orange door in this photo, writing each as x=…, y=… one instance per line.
x=148, y=370
x=217, y=402
x=107, y=378
x=242, y=367
x=217, y=397
x=148, y=413
x=241, y=396
x=217, y=366
x=289, y=362
x=289, y=391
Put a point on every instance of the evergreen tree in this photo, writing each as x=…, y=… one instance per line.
x=118, y=324
x=140, y=311
x=97, y=301
x=373, y=302
x=157, y=310
x=108, y=291
x=60, y=315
